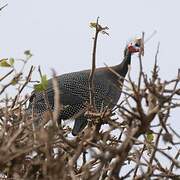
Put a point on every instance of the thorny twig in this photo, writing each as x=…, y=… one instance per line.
x=1, y=8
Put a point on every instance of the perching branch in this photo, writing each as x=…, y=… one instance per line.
x=98, y=29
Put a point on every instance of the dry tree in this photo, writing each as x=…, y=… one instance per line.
x=132, y=146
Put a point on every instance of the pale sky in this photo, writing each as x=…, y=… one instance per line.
x=58, y=34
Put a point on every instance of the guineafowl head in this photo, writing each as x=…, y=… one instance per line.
x=132, y=47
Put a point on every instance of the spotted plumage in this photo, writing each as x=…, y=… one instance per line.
x=74, y=92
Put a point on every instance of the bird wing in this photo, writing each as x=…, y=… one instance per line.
x=76, y=85
x=74, y=89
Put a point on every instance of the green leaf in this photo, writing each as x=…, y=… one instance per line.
x=16, y=79
x=38, y=88
x=11, y=61
x=44, y=81
x=93, y=24
x=14, y=82
x=4, y=63
x=150, y=136
x=28, y=54
x=42, y=86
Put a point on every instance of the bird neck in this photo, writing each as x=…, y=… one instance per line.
x=122, y=68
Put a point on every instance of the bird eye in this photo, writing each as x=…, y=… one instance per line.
x=136, y=44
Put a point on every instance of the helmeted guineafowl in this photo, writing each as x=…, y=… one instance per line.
x=74, y=90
